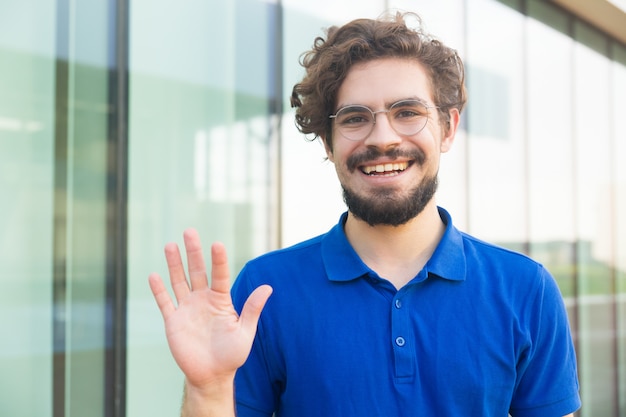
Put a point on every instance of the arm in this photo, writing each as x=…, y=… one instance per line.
x=207, y=338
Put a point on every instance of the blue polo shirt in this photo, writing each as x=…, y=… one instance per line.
x=480, y=331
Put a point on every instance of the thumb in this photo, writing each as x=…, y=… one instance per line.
x=251, y=311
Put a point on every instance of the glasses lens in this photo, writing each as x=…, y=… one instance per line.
x=354, y=122
x=408, y=117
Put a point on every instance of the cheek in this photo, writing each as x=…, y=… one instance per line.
x=339, y=152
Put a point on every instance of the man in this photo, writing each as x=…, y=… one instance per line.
x=393, y=312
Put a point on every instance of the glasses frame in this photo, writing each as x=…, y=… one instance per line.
x=387, y=111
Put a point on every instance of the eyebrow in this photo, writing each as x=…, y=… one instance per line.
x=414, y=98
x=388, y=104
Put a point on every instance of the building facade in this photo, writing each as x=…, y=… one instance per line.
x=123, y=123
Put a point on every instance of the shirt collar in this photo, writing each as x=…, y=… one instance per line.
x=340, y=260
x=448, y=260
x=343, y=264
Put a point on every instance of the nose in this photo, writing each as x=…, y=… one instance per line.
x=383, y=135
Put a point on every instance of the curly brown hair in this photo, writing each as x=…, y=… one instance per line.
x=329, y=61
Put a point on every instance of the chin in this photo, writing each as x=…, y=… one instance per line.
x=384, y=208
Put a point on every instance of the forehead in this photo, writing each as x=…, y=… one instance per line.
x=381, y=82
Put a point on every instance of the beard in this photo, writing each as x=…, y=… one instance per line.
x=387, y=206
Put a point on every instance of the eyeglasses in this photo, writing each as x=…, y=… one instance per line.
x=406, y=117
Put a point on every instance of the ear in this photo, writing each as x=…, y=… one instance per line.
x=448, y=138
x=329, y=151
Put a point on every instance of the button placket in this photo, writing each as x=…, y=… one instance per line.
x=405, y=366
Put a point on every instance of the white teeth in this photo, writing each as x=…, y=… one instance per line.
x=380, y=168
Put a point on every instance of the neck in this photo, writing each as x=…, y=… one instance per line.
x=397, y=253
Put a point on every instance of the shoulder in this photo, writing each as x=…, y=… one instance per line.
x=499, y=261
x=282, y=267
x=499, y=273
x=462, y=256
x=479, y=251
x=522, y=282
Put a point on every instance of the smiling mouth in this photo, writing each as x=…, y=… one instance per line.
x=385, y=169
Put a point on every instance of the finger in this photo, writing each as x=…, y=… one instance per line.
x=220, y=274
x=177, y=271
x=162, y=297
x=251, y=311
x=195, y=260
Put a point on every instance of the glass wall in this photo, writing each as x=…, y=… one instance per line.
x=202, y=139
x=27, y=63
x=551, y=183
x=593, y=146
x=54, y=116
x=211, y=144
x=618, y=105
x=496, y=123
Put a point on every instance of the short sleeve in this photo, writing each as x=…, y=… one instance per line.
x=254, y=391
x=547, y=383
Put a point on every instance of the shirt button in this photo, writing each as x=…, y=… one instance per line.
x=400, y=341
x=398, y=304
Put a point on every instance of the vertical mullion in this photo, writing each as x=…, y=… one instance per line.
x=275, y=116
x=526, y=245
x=59, y=248
x=610, y=48
x=465, y=121
x=117, y=198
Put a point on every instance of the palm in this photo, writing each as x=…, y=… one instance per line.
x=206, y=336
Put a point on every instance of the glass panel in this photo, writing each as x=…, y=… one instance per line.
x=619, y=156
x=26, y=183
x=593, y=208
x=550, y=147
x=496, y=123
x=200, y=139
x=32, y=153
x=86, y=112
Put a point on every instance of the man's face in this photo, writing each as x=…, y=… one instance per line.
x=388, y=177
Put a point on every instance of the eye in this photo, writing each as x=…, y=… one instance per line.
x=407, y=113
x=353, y=119
x=354, y=116
x=409, y=109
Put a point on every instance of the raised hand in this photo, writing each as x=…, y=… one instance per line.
x=207, y=338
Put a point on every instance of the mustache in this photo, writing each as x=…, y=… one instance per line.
x=358, y=159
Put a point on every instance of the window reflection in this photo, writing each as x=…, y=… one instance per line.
x=200, y=144
x=618, y=104
x=593, y=213
x=496, y=123
x=550, y=144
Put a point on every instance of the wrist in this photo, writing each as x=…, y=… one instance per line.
x=214, y=387
x=213, y=398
